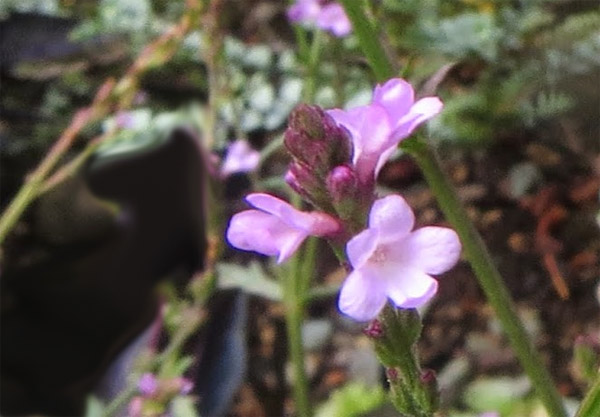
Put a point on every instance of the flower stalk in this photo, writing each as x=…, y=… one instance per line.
x=412, y=390
x=475, y=250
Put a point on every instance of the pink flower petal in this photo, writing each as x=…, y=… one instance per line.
x=360, y=248
x=261, y=232
x=333, y=18
x=433, y=250
x=362, y=296
x=396, y=96
x=314, y=223
x=240, y=158
x=352, y=120
x=410, y=288
x=392, y=217
x=420, y=112
x=304, y=11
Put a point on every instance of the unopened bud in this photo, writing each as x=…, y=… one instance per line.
x=374, y=330
x=302, y=180
x=349, y=200
x=313, y=138
x=392, y=374
x=430, y=385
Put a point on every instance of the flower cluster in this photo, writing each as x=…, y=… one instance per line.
x=336, y=156
x=326, y=16
x=155, y=394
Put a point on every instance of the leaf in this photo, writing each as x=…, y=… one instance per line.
x=352, y=400
x=251, y=279
x=183, y=407
x=499, y=393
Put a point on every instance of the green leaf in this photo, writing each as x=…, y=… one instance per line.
x=352, y=400
x=499, y=393
x=252, y=279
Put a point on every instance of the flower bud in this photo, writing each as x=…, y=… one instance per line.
x=303, y=181
x=349, y=200
x=314, y=138
x=374, y=330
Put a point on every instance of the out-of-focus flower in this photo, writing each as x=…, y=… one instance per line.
x=377, y=128
x=240, y=157
x=135, y=406
x=330, y=16
x=490, y=414
x=392, y=261
x=147, y=385
x=333, y=19
x=276, y=228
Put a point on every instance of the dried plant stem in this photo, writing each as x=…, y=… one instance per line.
x=112, y=96
x=475, y=250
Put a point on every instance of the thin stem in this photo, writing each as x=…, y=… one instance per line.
x=294, y=314
x=590, y=406
x=475, y=250
x=488, y=276
x=368, y=40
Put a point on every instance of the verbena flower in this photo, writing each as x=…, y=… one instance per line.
x=240, y=157
x=330, y=17
x=377, y=128
x=390, y=260
x=276, y=228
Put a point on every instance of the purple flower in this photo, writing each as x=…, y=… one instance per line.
x=377, y=128
x=240, y=157
x=391, y=261
x=330, y=17
x=276, y=228
x=333, y=19
x=147, y=385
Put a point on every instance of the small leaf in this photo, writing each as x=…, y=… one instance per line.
x=251, y=279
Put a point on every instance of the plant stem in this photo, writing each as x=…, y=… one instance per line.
x=590, y=406
x=368, y=40
x=475, y=250
x=487, y=274
x=294, y=314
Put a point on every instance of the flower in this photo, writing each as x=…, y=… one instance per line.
x=330, y=17
x=240, y=157
x=147, y=385
x=391, y=261
x=333, y=19
x=276, y=228
x=377, y=128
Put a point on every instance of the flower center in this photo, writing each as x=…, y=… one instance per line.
x=379, y=256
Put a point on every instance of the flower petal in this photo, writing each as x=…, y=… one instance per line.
x=304, y=11
x=360, y=248
x=314, y=223
x=433, y=250
x=264, y=233
x=392, y=217
x=362, y=296
x=240, y=158
x=333, y=18
x=420, y=112
x=410, y=288
x=352, y=120
x=396, y=96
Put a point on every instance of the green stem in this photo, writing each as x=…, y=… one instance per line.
x=475, y=250
x=590, y=406
x=488, y=276
x=294, y=315
x=368, y=39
